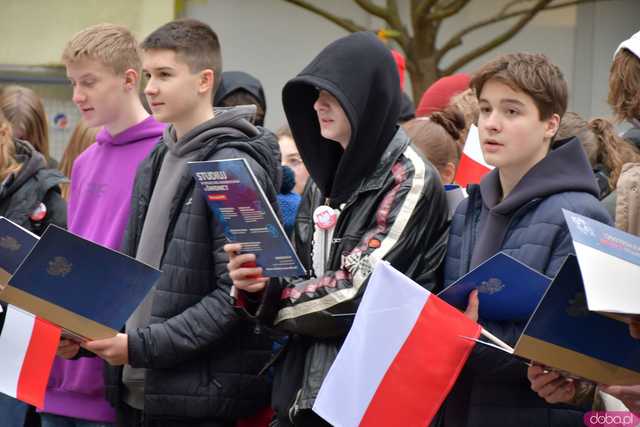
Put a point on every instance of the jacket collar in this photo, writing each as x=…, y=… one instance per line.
x=396, y=147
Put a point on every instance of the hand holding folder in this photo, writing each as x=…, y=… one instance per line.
x=586, y=319
x=87, y=289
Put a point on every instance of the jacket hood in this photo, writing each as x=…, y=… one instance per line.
x=32, y=163
x=239, y=80
x=360, y=72
x=146, y=129
x=565, y=168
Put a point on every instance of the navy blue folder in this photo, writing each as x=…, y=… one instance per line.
x=564, y=334
x=85, y=288
x=507, y=289
x=15, y=245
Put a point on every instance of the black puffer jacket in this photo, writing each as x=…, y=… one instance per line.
x=35, y=183
x=23, y=193
x=202, y=359
x=392, y=207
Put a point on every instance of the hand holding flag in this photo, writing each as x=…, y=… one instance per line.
x=400, y=359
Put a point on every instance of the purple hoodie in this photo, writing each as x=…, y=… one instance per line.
x=101, y=186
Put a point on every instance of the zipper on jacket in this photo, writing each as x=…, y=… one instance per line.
x=468, y=250
x=293, y=410
x=217, y=383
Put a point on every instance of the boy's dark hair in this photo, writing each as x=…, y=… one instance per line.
x=531, y=73
x=193, y=41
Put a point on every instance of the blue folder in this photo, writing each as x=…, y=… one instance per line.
x=564, y=334
x=15, y=245
x=507, y=289
x=83, y=287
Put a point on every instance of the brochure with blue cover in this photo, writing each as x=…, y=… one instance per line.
x=85, y=288
x=15, y=244
x=609, y=262
x=507, y=289
x=246, y=216
x=565, y=335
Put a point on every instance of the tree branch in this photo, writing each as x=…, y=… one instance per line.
x=509, y=5
x=423, y=8
x=394, y=21
x=451, y=9
x=373, y=9
x=456, y=39
x=345, y=23
x=530, y=14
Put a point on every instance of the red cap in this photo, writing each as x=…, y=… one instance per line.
x=437, y=96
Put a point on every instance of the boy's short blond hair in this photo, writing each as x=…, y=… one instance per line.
x=113, y=45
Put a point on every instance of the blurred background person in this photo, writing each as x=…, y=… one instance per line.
x=240, y=88
x=291, y=157
x=81, y=138
x=24, y=109
x=437, y=137
x=439, y=94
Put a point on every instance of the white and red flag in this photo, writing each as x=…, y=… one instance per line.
x=28, y=346
x=400, y=359
x=472, y=166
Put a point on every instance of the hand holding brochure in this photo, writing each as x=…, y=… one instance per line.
x=507, y=289
x=87, y=289
x=246, y=216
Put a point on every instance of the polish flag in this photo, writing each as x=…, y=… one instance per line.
x=472, y=166
x=28, y=346
x=400, y=359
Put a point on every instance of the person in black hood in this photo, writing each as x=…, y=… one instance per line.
x=517, y=209
x=373, y=198
x=240, y=88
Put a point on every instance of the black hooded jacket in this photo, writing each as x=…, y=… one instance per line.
x=24, y=192
x=202, y=358
x=356, y=70
x=392, y=207
x=35, y=183
x=233, y=81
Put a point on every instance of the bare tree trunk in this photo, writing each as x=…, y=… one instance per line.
x=422, y=76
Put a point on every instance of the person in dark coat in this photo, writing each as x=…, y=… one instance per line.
x=240, y=88
x=373, y=198
x=516, y=209
x=30, y=196
x=189, y=358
